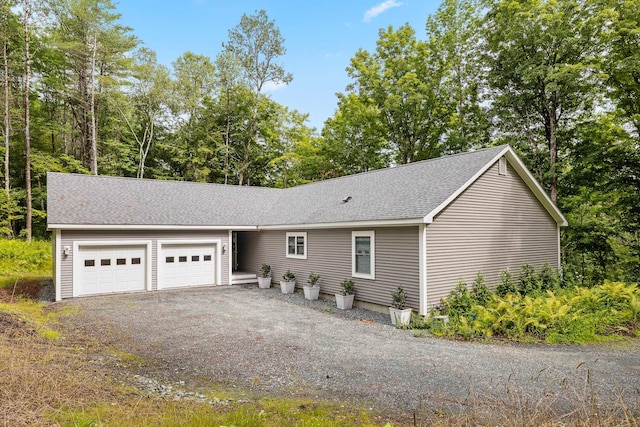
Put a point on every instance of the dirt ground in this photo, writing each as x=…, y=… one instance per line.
x=27, y=288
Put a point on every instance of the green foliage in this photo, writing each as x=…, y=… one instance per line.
x=399, y=298
x=289, y=276
x=548, y=278
x=578, y=315
x=347, y=287
x=479, y=290
x=459, y=302
x=265, y=270
x=313, y=279
x=507, y=285
x=528, y=282
x=18, y=257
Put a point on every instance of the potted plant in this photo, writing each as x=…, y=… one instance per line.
x=264, y=281
x=344, y=300
x=312, y=291
x=288, y=282
x=399, y=315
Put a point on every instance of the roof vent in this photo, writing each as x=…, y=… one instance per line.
x=346, y=199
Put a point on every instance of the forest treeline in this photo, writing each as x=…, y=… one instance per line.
x=559, y=80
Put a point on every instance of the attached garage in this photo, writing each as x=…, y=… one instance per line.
x=103, y=268
x=183, y=264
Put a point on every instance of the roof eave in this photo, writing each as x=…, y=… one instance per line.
x=117, y=227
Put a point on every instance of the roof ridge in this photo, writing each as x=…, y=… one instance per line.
x=405, y=165
x=160, y=180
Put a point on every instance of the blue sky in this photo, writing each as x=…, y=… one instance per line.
x=320, y=36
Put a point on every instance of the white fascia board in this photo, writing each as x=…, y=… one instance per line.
x=522, y=172
x=148, y=227
x=348, y=224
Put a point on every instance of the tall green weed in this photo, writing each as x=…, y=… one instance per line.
x=18, y=257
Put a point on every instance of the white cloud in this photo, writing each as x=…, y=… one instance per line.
x=382, y=7
x=273, y=86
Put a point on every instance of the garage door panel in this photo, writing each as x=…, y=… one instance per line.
x=188, y=265
x=107, y=269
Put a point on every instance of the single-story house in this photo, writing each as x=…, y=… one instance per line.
x=424, y=226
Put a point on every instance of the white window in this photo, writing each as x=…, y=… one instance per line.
x=296, y=245
x=363, y=254
x=502, y=166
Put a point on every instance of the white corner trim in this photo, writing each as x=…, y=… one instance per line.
x=559, y=252
x=110, y=242
x=286, y=245
x=230, y=255
x=371, y=234
x=57, y=264
x=422, y=259
x=218, y=254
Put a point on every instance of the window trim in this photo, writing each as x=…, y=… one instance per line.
x=372, y=235
x=302, y=234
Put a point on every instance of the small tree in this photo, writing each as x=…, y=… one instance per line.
x=528, y=280
x=399, y=298
x=506, y=285
x=479, y=290
x=265, y=270
x=548, y=278
x=313, y=279
x=348, y=287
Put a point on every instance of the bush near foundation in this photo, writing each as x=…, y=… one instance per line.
x=536, y=308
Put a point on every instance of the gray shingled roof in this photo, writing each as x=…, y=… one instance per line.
x=404, y=192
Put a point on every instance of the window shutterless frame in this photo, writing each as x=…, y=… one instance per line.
x=296, y=245
x=363, y=254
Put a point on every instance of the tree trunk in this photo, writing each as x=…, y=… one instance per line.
x=94, y=136
x=553, y=154
x=7, y=130
x=226, y=142
x=7, y=125
x=27, y=136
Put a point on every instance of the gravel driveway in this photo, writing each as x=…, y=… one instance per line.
x=273, y=345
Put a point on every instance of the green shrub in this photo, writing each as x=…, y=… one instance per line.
x=528, y=283
x=479, y=290
x=18, y=257
x=506, y=285
x=548, y=278
x=459, y=302
x=578, y=315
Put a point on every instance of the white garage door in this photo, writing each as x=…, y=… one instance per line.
x=187, y=265
x=106, y=269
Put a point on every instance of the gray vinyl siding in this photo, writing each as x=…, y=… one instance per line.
x=68, y=237
x=329, y=255
x=497, y=223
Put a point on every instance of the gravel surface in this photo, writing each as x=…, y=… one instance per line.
x=271, y=344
